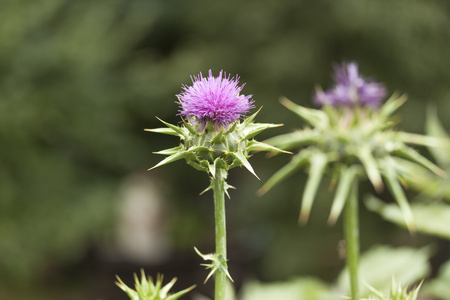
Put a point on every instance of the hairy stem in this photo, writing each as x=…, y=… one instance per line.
x=221, y=236
x=351, y=229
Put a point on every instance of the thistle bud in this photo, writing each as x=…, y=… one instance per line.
x=146, y=289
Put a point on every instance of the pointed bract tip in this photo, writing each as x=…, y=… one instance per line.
x=378, y=186
x=286, y=102
x=332, y=219
x=303, y=218
x=262, y=191
x=411, y=227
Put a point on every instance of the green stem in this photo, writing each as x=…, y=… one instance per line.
x=351, y=228
x=221, y=235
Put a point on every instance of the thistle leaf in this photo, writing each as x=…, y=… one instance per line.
x=418, y=139
x=212, y=169
x=391, y=106
x=253, y=129
x=210, y=187
x=189, y=127
x=390, y=174
x=413, y=155
x=348, y=176
x=172, y=158
x=232, y=128
x=316, y=118
x=434, y=128
x=429, y=218
x=198, y=148
x=164, y=130
x=259, y=146
x=294, y=139
x=181, y=293
x=365, y=156
x=169, y=151
x=251, y=118
x=318, y=163
x=239, y=155
x=219, y=138
x=175, y=128
x=296, y=163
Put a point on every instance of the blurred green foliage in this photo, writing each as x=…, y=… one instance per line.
x=80, y=80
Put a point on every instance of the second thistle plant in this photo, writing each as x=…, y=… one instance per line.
x=351, y=137
x=213, y=139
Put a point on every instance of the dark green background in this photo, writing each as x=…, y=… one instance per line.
x=80, y=80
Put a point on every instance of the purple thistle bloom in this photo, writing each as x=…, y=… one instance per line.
x=351, y=89
x=214, y=99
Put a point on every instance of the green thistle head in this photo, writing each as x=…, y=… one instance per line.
x=146, y=289
x=351, y=141
x=397, y=293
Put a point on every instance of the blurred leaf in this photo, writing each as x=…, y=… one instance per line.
x=432, y=219
x=382, y=263
x=435, y=128
x=294, y=289
x=440, y=287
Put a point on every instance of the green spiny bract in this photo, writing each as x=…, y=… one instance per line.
x=397, y=293
x=146, y=289
x=207, y=149
x=347, y=143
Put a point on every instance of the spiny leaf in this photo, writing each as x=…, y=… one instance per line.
x=251, y=118
x=210, y=187
x=164, y=131
x=414, y=156
x=181, y=293
x=212, y=169
x=189, y=127
x=228, y=186
x=174, y=128
x=318, y=163
x=348, y=176
x=316, y=118
x=232, y=128
x=169, y=151
x=259, y=146
x=365, y=156
x=294, y=139
x=218, y=138
x=390, y=174
x=391, y=105
x=434, y=128
x=198, y=148
x=418, y=139
x=254, y=129
x=243, y=160
x=172, y=158
x=296, y=163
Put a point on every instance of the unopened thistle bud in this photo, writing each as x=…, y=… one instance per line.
x=146, y=289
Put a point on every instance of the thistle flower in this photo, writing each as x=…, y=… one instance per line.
x=213, y=136
x=214, y=99
x=351, y=143
x=214, y=140
x=351, y=89
x=146, y=289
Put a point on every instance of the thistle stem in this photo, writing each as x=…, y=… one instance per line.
x=221, y=237
x=351, y=231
